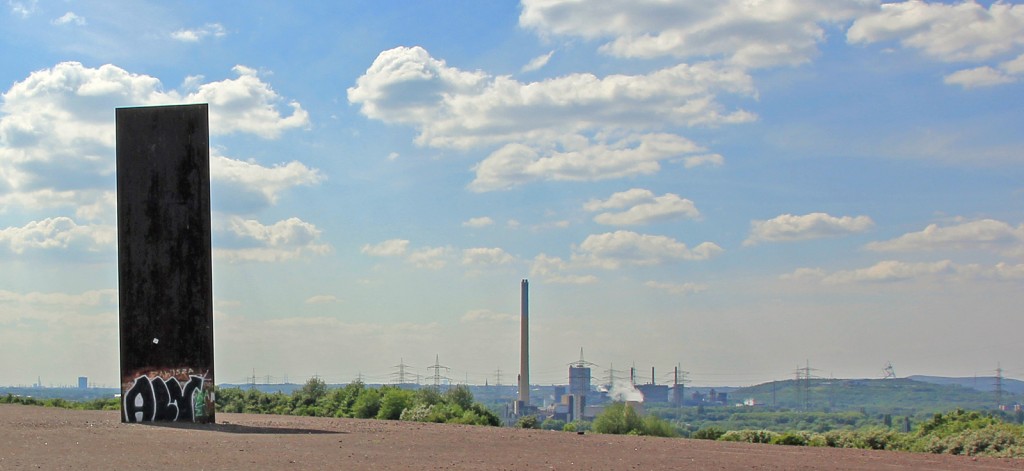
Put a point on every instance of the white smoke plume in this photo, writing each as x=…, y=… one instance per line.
x=625, y=392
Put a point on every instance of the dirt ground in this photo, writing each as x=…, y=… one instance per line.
x=46, y=438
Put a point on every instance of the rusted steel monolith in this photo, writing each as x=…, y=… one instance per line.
x=165, y=281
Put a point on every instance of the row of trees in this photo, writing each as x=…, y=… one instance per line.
x=356, y=400
x=958, y=432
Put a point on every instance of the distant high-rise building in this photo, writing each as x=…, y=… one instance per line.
x=83, y=382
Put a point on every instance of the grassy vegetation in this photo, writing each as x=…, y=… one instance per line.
x=356, y=400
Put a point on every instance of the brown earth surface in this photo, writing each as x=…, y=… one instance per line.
x=47, y=438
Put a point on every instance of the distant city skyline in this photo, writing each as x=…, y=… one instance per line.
x=738, y=188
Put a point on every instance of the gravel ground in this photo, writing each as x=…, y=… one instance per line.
x=46, y=438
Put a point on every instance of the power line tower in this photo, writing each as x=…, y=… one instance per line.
x=803, y=385
x=437, y=367
x=612, y=376
x=400, y=374
x=497, y=379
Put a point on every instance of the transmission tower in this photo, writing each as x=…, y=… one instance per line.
x=437, y=367
x=612, y=376
x=497, y=379
x=400, y=374
x=803, y=385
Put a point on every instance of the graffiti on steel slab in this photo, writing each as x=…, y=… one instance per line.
x=161, y=396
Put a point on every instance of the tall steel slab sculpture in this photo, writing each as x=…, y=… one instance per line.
x=165, y=281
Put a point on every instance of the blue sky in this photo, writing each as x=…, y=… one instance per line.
x=735, y=187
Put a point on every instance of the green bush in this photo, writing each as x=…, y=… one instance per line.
x=528, y=421
x=708, y=433
x=394, y=402
x=1001, y=440
x=552, y=424
x=748, y=436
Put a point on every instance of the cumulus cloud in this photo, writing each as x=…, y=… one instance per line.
x=787, y=227
x=58, y=233
x=486, y=256
x=247, y=104
x=433, y=258
x=613, y=250
x=251, y=240
x=388, y=248
x=959, y=32
x=196, y=34
x=57, y=128
x=479, y=222
x=745, y=33
x=985, y=234
x=640, y=206
x=68, y=19
x=516, y=164
x=986, y=76
x=555, y=270
x=574, y=127
x=962, y=31
x=248, y=185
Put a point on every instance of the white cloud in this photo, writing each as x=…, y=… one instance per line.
x=575, y=127
x=486, y=256
x=745, y=33
x=433, y=258
x=388, y=248
x=613, y=250
x=284, y=240
x=93, y=298
x=323, y=299
x=516, y=164
x=553, y=270
x=69, y=18
x=23, y=8
x=247, y=104
x=478, y=222
x=537, y=63
x=987, y=234
x=978, y=77
x=713, y=160
x=985, y=76
x=57, y=127
x=962, y=31
x=249, y=185
x=787, y=227
x=458, y=109
x=881, y=272
x=59, y=233
x=486, y=315
x=641, y=207
x=889, y=271
x=196, y=34
x=677, y=288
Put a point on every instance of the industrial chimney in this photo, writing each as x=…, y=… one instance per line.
x=524, y=346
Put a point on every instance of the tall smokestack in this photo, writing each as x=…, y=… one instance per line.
x=524, y=346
